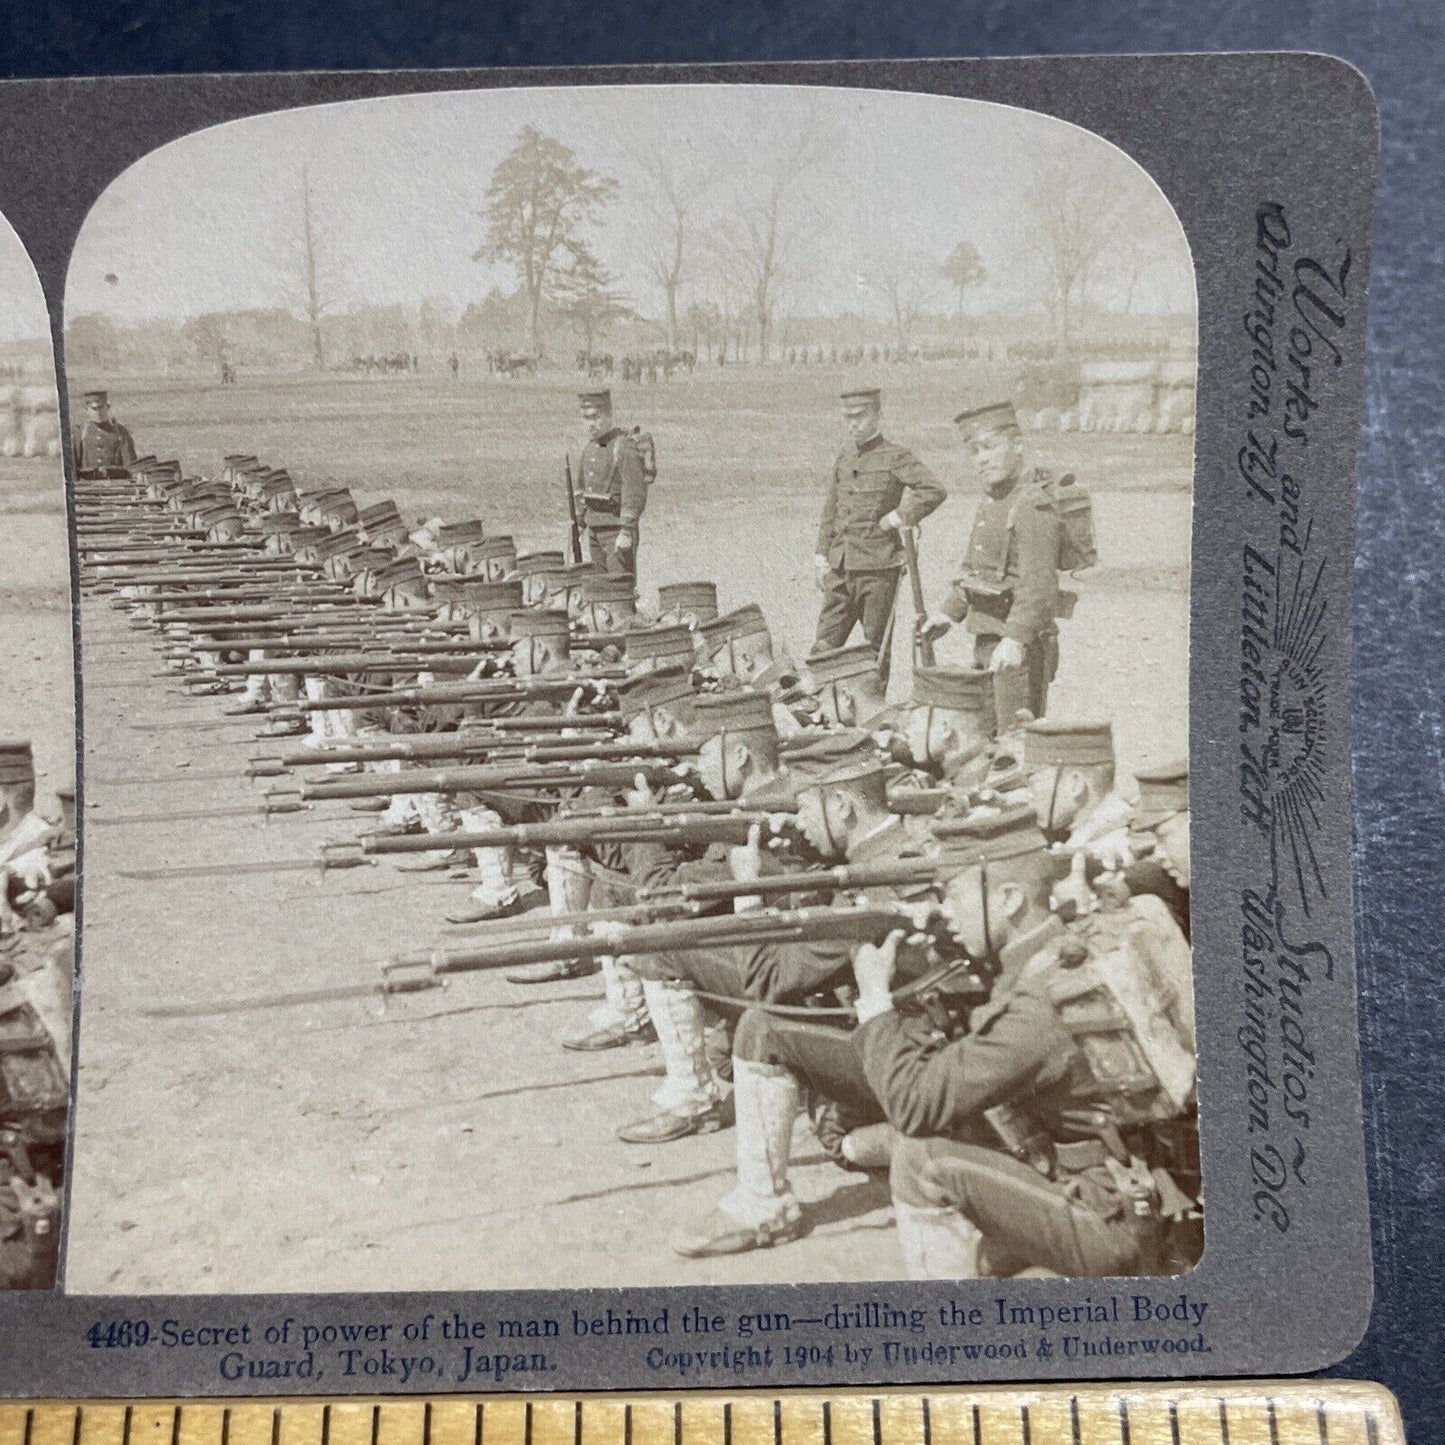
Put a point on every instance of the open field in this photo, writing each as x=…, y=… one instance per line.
x=444, y=1141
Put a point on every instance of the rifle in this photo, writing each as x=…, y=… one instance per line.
x=922, y=645
x=501, y=778
x=503, y=690
x=521, y=749
x=574, y=523
x=643, y=826
x=427, y=969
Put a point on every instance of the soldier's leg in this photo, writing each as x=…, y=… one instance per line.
x=846, y=1115
x=622, y=1017
x=570, y=889
x=761, y=1209
x=878, y=595
x=1012, y=692
x=690, y=1098
x=1043, y=666
x=496, y=895
x=839, y=612
x=1018, y=1217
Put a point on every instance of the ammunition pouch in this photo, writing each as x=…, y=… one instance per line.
x=986, y=600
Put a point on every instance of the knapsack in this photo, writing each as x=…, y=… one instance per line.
x=647, y=450
x=1074, y=508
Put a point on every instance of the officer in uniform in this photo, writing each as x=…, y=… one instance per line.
x=1008, y=590
x=102, y=445
x=611, y=486
x=875, y=490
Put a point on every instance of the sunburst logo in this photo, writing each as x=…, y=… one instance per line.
x=1295, y=725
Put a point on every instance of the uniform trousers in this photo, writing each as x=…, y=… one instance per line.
x=1077, y=1226
x=602, y=547
x=850, y=598
x=1023, y=687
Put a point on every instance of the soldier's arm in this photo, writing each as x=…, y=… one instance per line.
x=1036, y=554
x=830, y=515
x=929, y=1090
x=128, y=452
x=632, y=481
x=922, y=491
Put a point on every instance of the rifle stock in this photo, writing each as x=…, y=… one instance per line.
x=574, y=536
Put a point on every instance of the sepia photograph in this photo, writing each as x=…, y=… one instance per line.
x=37, y=786
x=636, y=709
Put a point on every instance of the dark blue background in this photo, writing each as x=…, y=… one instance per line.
x=1400, y=583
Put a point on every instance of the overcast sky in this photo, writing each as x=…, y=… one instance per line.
x=208, y=223
x=22, y=303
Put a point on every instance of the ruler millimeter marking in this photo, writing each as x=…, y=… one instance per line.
x=1315, y=1412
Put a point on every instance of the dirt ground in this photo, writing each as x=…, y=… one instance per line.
x=444, y=1140
x=37, y=684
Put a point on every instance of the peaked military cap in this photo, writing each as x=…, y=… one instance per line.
x=960, y=689
x=647, y=644
x=539, y=622
x=740, y=710
x=530, y=563
x=95, y=395
x=862, y=396
x=379, y=512
x=837, y=664
x=1163, y=792
x=501, y=596
x=992, y=417
x=491, y=549
x=699, y=598
x=745, y=621
x=457, y=534
x=17, y=762
x=402, y=572
x=847, y=755
x=1067, y=744
x=666, y=686
x=611, y=587
x=592, y=399
x=449, y=587
x=989, y=835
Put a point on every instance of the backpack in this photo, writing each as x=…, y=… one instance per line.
x=647, y=450
x=1074, y=508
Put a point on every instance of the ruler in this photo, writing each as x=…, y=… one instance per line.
x=1309, y=1412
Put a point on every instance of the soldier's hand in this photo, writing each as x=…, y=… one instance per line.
x=1008, y=653
x=624, y=540
x=821, y=571
x=873, y=967
x=746, y=861
x=892, y=522
x=934, y=625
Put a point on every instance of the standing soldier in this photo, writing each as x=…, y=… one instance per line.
x=877, y=488
x=1008, y=588
x=102, y=445
x=611, y=485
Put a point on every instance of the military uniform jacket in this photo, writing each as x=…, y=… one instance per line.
x=103, y=444
x=611, y=484
x=931, y=1087
x=1009, y=582
x=867, y=482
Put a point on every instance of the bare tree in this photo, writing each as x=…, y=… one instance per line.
x=963, y=268
x=704, y=320
x=1078, y=212
x=538, y=203
x=587, y=297
x=907, y=284
x=766, y=245
x=309, y=274
x=673, y=181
